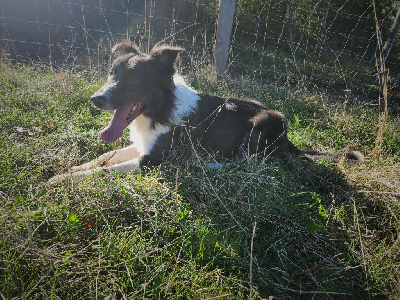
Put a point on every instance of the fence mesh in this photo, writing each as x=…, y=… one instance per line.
x=325, y=44
x=308, y=43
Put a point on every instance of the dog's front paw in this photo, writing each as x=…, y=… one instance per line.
x=84, y=167
x=75, y=176
x=58, y=178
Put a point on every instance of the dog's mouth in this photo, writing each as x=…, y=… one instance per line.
x=121, y=118
x=134, y=112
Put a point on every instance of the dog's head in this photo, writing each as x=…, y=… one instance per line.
x=138, y=83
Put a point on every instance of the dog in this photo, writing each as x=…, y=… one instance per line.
x=149, y=97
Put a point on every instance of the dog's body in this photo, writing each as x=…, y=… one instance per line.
x=161, y=111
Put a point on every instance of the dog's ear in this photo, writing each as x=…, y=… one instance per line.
x=125, y=47
x=166, y=55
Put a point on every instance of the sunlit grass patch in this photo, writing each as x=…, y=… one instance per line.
x=185, y=230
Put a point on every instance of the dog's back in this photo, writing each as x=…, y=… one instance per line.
x=234, y=127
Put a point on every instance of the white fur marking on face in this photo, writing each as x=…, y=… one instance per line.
x=186, y=100
x=143, y=135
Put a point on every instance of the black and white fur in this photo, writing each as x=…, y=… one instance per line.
x=162, y=112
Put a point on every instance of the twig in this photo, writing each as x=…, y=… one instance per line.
x=220, y=296
x=380, y=192
x=308, y=292
x=251, y=259
x=129, y=276
x=359, y=235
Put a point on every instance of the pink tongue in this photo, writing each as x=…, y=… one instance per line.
x=117, y=124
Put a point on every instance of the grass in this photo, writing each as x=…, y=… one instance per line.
x=185, y=231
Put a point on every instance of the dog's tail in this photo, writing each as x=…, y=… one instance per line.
x=348, y=158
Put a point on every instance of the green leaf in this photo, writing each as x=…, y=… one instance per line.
x=73, y=220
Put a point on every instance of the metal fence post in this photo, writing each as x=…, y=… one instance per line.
x=224, y=31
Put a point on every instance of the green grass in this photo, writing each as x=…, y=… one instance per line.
x=185, y=231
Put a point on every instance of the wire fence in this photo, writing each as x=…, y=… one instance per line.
x=309, y=43
x=81, y=32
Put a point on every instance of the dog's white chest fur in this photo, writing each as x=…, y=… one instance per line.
x=186, y=100
x=144, y=136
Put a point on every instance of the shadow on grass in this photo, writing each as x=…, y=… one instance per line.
x=301, y=212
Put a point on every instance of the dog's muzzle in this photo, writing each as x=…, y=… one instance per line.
x=99, y=101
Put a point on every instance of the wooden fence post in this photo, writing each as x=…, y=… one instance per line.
x=223, y=37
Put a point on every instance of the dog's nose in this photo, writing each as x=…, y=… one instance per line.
x=99, y=101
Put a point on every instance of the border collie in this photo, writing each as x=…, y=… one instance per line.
x=147, y=96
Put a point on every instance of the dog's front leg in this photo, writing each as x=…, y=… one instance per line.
x=95, y=163
x=122, y=160
x=109, y=159
x=132, y=165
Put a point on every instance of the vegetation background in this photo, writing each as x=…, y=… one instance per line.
x=259, y=228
